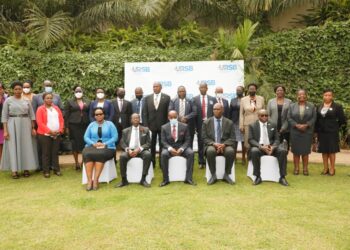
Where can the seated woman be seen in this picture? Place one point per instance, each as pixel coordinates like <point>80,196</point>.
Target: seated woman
<point>100,138</point>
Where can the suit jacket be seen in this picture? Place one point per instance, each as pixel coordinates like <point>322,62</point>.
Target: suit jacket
<point>208,132</point>
<point>273,112</point>
<point>122,117</point>
<point>226,107</point>
<point>254,134</point>
<point>38,101</point>
<point>155,118</point>
<point>294,118</point>
<point>134,103</point>
<point>107,108</point>
<point>197,104</point>
<point>190,112</point>
<point>73,113</point>
<point>183,138</point>
<point>234,110</point>
<point>144,136</point>
<point>246,114</point>
<point>333,120</point>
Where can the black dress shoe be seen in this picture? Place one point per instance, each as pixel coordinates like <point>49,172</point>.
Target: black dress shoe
<point>283,181</point>
<point>190,182</point>
<point>47,174</point>
<point>212,180</point>
<point>257,181</point>
<point>201,166</point>
<point>164,183</point>
<point>227,179</point>
<point>58,173</point>
<point>121,184</point>
<point>145,184</point>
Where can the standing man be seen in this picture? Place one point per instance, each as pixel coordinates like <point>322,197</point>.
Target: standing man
<point>264,140</point>
<point>122,112</point>
<point>155,111</point>
<point>219,94</point>
<point>137,103</point>
<point>186,111</point>
<point>219,139</point>
<point>135,142</point>
<point>176,142</point>
<point>204,105</point>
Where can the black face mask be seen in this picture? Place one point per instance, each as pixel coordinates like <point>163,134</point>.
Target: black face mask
<point>239,94</point>
<point>252,93</point>
<point>121,96</point>
<point>139,97</point>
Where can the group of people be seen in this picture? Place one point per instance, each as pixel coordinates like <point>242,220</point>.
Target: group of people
<point>32,125</point>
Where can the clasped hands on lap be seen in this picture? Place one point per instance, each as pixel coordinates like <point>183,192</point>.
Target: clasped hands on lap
<point>267,149</point>
<point>219,147</point>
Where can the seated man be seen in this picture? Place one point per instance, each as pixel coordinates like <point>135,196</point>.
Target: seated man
<point>264,140</point>
<point>219,139</point>
<point>176,141</point>
<point>135,142</point>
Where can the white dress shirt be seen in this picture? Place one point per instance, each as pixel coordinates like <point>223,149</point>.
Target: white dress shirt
<point>157,97</point>
<point>263,129</point>
<point>135,131</point>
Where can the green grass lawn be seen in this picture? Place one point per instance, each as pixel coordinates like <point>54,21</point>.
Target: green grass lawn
<point>57,213</point>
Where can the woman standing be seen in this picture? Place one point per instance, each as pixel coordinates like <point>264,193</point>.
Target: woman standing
<point>101,102</point>
<point>100,138</point>
<point>19,152</point>
<point>50,126</point>
<point>301,118</point>
<point>3,97</point>
<point>76,122</point>
<point>277,109</point>
<point>330,119</point>
<point>27,90</point>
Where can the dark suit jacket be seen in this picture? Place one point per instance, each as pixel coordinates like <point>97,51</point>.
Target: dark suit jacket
<point>254,134</point>
<point>190,112</point>
<point>134,107</point>
<point>183,138</point>
<point>332,121</point>
<point>294,118</point>
<point>155,118</point>
<point>123,114</point>
<point>197,104</point>
<point>226,107</point>
<point>38,101</point>
<point>208,132</point>
<point>145,139</point>
<point>73,113</point>
<point>234,110</point>
<point>107,107</point>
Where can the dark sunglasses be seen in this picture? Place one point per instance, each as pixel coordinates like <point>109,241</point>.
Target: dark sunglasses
<point>99,114</point>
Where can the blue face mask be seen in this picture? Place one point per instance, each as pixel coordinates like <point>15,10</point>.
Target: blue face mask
<point>48,89</point>
<point>173,122</point>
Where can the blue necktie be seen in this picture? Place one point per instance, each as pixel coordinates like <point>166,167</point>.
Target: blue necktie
<point>138,107</point>
<point>218,131</point>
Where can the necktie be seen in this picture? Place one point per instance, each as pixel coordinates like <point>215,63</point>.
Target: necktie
<point>136,142</point>
<point>182,108</point>
<point>204,115</point>
<point>156,102</point>
<point>120,104</point>
<point>265,136</point>
<point>218,131</point>
<point>138,107</point>
<point>173,133</point>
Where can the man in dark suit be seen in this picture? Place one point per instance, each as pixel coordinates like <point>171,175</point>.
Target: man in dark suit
<point>264,140</point>
<point>176,142</point>
<point>219,94</point>
<point>186,111</point>
<point>135,142</point>
<point>204,104</point>
<point>155,111</point>
<point>137,103</point>
<point>219,139</point>
<point>122,112</point>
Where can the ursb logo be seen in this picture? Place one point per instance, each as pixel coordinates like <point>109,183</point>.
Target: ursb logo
<point>208,82</point>
<point>141,69</point>
<point>166,83</point>
<point>228,67</point>
<point>184,68</point>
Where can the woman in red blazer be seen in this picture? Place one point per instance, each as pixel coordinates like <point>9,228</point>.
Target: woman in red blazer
<point>50,126</point>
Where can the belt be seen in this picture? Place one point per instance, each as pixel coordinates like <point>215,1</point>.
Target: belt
<point>24,115</point>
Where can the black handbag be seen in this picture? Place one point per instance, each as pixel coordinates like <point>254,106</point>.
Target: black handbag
<point>65,144</point>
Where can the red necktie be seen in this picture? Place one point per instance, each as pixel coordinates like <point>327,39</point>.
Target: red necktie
<point>203,108</point>
<point>173,133</point>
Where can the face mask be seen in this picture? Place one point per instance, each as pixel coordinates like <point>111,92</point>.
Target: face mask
<point>26,90</point>
<point>100,95</point>
<point>219,95</point>
<point>78,95</point>
<point>252,93</point>
<point>121,96</point>
<point>173,122</point>
<point>139,97</point>
<point>239,94</point>
<point>48,89</point>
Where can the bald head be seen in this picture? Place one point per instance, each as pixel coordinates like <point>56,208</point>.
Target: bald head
<point>157,87</point>
<point>135,119</point>
<point>219,90</point>
<point>218,110</point>
<point>263,115</point>
<point>172,114</point>
<point>203,88</point>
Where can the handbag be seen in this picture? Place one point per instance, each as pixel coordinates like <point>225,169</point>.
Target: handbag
<point>65,144</point>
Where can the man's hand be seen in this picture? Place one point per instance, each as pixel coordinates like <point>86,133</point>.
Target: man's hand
<point>183,120</point>
<point>173,152</point>
<point>242,130</point>
<point>6,135</point>
<point>133,153</point>
<point>179,151</point>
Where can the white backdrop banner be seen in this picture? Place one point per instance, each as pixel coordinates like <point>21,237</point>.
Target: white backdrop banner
<point>226,74</point>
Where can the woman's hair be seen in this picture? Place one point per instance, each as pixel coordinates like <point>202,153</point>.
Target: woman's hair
<point>30,82</point>
<point>252,84</point>
<point>99,88</point>
<point>46,94</point>
<point>99,108</point>
<point>279,86</point>
<point>327,90</point>
<point>304,90</point>
<point>16,83</point>
<point>77,86</point>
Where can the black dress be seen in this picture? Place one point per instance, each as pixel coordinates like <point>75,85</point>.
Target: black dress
<point>328,124</point>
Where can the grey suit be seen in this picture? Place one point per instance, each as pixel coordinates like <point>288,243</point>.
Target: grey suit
<point>227,138</point>
<point>301,141</point>
<point>272,110</point>
<point>256,152</point>
<point>145,154</point>
<point>183,142</point>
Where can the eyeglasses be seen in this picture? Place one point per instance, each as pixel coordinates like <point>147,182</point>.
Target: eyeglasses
<point>264,115</point>
<point>99,114</point>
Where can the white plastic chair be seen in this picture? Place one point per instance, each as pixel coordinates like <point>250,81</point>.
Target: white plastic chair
<point>108,174</point>
<point>220,169</point>
<point>134,171</point>
<point>269,169</point>
<point>177,168</point>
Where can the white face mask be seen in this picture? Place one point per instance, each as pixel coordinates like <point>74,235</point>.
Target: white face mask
<point>219,95</point>
<point>78,95</point>
<point>48,89</point>
<point>100,95</point>
<point>173,122</point>
<point>26,90</point>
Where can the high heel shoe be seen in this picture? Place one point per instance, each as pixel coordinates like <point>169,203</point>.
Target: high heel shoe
<point>89,187</point>
<point>15,175</point>
<point>95,186</point>
<point>296,171</point>
<point>305,172</point>
<point>325,172</point>
<point>331,174</point>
